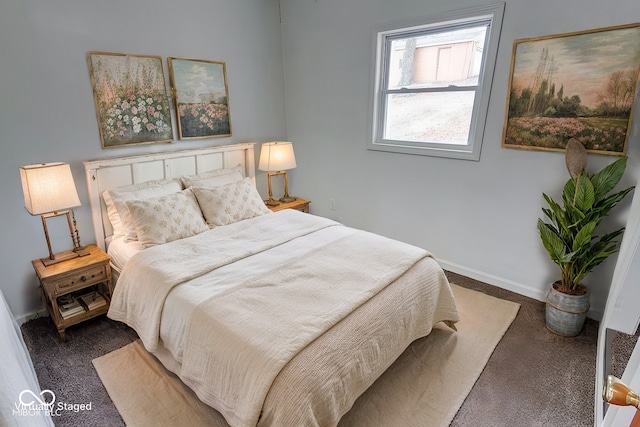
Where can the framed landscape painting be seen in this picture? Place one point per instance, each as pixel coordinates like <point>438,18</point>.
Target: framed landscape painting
<point>579,85</point>
<point>131,99</point>
<point>201,98</point>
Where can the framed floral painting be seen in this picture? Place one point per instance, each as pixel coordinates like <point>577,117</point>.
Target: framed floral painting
<point>201,98</point>
<point>131,99</point>
<point>578,85</point>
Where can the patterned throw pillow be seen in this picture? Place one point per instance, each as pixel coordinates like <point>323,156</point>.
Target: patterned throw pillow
<point>230,203</point>
<point>116,200</point>
<point>167,218</point>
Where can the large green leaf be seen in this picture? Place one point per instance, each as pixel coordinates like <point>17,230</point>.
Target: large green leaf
<point>584,236</point>
<point>610,236</point>
<point>552,242</point>
<point>579,194</point>
<point>593,259</point>
<point>606,180</point>
<point>557,215</point>
<point>603,206</point>
<point>601,209</point>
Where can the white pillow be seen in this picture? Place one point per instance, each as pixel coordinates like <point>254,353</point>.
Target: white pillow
<point>145,190</point>
<point>213,178</point>
<point>112,213</point>
<point>230,203</point>
<point>165,219</point>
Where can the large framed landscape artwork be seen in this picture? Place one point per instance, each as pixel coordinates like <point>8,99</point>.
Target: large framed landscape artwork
<point>201,98</point>
<point>131,99</point>
<point>579,85</point>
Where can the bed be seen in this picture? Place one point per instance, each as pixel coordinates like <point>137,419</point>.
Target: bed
<point>278,318</point>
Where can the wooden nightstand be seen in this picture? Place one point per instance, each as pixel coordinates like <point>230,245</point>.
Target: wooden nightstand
<point>72,279</point>
<point>298,204</point>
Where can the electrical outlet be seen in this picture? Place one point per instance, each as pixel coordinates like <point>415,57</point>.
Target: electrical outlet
<point>333,204</point>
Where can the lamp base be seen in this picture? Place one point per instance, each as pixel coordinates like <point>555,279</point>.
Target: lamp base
<point>81,251</point>
<point>271,202</point>
<point>66,255</point>
<point>59,257</point>
<point>288,199</point>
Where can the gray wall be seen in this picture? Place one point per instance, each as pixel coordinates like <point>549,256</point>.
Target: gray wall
<point>46,102</point>
<point>477,218</point>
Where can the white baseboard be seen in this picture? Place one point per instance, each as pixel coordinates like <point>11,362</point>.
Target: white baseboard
<point>500,282</point>
<point>494,280</point>
<point>32,315</point>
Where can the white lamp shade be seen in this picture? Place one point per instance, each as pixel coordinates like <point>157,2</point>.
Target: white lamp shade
<point>277,156</point>
<point>48,187</point>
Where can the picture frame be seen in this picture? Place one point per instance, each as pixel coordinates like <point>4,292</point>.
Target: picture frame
<point>131,99</point>
<point>201,98</point>
<point>580,85</point>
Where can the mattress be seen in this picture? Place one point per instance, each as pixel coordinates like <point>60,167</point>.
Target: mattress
<point>121,251</point>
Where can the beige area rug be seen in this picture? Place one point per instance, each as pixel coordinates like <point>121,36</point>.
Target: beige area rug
<point>425,386</point>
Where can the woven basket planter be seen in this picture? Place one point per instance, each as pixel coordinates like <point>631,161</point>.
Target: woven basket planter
<point>566,313</point>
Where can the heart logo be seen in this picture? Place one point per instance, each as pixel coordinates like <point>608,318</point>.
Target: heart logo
<point>31,398</point>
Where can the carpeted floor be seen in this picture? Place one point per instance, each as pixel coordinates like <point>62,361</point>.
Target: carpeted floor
<point>533,378</point>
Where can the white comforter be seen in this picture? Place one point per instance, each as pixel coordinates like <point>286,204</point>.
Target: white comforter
<point>253,295</point>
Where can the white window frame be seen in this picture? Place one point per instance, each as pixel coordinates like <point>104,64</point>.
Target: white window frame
<point>471,151</point>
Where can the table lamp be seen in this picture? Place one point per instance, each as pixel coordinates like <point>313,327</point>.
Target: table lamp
<point>275,159</point>
<point>49,191</point>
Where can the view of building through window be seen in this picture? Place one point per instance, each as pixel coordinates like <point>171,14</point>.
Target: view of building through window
<point>432,81</point>
<point>437,73</point>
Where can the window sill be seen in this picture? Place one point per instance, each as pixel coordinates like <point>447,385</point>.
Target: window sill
<point>458,152</point>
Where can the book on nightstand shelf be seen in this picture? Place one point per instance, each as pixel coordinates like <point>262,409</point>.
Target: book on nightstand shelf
<point>93,300</point>
<point>71,309</point>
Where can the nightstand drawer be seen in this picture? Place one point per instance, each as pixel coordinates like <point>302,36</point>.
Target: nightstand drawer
<point>80,280</point>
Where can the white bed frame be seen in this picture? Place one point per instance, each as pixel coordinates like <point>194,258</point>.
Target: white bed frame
<point>105,174</point>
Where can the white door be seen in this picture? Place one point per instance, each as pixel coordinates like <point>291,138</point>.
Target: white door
<point>622,313</point>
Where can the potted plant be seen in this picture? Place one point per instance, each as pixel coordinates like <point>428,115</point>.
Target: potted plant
<point>569,236</point>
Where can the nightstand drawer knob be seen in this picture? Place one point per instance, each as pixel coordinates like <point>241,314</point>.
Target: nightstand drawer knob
<point>83,278</point>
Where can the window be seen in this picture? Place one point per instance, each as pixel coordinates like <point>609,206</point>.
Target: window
<point>432,81</point>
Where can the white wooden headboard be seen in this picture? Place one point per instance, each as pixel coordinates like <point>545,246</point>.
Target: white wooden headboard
<point>105,174</point>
